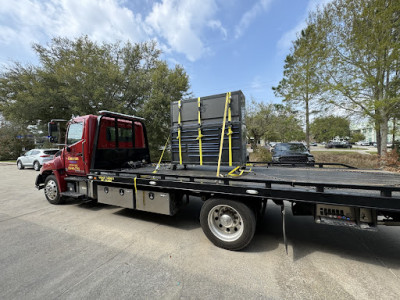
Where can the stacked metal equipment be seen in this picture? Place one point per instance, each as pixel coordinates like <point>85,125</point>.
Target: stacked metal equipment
<point>197,126</point>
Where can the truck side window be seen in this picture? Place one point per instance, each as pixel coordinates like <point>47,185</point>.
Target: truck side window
<point>75,132</point>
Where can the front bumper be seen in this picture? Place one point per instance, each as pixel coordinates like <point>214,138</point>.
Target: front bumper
<point>39,183</point>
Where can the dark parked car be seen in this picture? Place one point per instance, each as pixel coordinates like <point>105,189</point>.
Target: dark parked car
<point>292,153</point>
<point>333,144</point>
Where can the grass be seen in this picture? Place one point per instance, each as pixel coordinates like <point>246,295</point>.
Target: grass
<point>9,161</point>
<point>358,160</point>
<point>372,152</point>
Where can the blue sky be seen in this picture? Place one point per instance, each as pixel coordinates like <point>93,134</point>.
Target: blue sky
<point>224,45</point>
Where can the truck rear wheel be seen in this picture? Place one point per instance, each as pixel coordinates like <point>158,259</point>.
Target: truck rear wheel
<point>228,224</point>
<point>51,190</point>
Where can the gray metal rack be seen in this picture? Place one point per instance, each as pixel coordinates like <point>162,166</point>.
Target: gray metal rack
<point>197,126</point>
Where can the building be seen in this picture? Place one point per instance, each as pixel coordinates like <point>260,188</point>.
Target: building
<point>368,130</point>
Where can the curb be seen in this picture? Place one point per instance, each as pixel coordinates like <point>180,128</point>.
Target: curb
<point>7,163</point>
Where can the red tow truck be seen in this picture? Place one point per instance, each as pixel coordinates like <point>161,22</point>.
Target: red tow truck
<point>106,159</point>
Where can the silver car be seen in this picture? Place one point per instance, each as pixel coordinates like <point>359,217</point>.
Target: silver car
<point>35,158</point>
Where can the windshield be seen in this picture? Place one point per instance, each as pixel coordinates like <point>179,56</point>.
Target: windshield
<point>291,147</point>
<point>51,152</point>
<point>75,132</point>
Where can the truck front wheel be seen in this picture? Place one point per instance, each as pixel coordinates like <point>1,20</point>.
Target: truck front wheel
<point>51,190</point>
<point>228,224</point>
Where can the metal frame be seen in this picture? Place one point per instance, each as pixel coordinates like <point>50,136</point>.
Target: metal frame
<point>312,164</point>
<point>117,116</point>
<point>257,189</point>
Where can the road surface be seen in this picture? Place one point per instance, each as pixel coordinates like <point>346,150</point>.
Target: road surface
<point>90,251</point>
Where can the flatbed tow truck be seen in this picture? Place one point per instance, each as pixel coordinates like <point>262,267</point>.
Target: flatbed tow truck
<point>106,159</point>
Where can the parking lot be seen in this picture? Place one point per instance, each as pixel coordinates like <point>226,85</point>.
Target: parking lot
<point>85,250</point>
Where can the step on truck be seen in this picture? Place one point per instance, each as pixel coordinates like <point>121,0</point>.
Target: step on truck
<point>106,159</point>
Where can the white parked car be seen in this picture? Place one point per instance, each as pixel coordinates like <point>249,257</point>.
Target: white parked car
<point>35,158</point>
<point>362,143</point>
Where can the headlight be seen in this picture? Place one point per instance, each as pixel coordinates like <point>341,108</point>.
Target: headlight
<point>311,158</point>
<point>275,159</point>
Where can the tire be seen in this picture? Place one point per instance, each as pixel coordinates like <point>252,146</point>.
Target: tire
<point>20,166</point>
<point>52,191</point>
<point>36,166</point>
<point>228,224</point>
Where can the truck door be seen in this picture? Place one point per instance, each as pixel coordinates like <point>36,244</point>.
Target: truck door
<point>74,154</point>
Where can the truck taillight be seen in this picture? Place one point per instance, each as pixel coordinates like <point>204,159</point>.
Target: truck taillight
<point>44,155</point>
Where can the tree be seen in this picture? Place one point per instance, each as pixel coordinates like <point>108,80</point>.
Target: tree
<point>286,125</point>
<point>326,128</point>
<point>166,86</point>
<point>272,122</point>
<point>79,77</point>
<point>258,116</point>
<point>361,70</point>
<point>301,84</point>
<point>13,139</point>
<point>356,137</point>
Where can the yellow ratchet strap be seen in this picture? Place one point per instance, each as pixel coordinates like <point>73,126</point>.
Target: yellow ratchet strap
<point>162,154</point>
<point>199,130</point>
<point>134,183</point>
<point>221,144</point>
<point>230,129</point>
<point>233,174</point>
<point>179,131</point>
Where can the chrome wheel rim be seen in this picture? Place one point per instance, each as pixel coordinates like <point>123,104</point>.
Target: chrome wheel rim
<point>19,165</point>
<point>225,223</point>
<point>51,190</point>
<point>36,166</point>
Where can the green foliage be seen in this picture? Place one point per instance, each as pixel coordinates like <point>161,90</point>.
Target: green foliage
<point>167,86</point>
<point>326,128</point>
<point>348,56</point>
<point>356,137</point>
<point>361,69</point>
<point>272,122</point>
<point>300,85</point>
<point>79,77</point>
<point>10,145</point>
<point>286,125</point>
<point>262,154</point>
<point>258,120</point>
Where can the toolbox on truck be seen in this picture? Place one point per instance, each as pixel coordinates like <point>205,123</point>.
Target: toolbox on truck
<point>197,126</point>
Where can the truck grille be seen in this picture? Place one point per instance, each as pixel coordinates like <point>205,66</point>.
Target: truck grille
<point>293,159</point>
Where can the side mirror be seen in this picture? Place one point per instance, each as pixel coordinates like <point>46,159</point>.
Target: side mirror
<point>53,132</point>
<point>68,149</point>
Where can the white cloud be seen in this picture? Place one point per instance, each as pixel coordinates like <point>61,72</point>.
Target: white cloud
<point>250,15</point>
<point>285,42</point>
<point>216,24</point>
<point>180,23</point>
<point>31,21</point>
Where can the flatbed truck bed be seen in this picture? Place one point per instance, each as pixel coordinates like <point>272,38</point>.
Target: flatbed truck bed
<point>372,183</point>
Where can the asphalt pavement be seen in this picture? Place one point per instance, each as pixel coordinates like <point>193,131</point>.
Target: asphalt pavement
<point>93,251</point>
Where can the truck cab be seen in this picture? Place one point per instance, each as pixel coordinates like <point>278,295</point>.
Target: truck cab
<point>109,141</point>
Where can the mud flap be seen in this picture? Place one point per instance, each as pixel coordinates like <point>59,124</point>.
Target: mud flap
<point>283,212</point>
